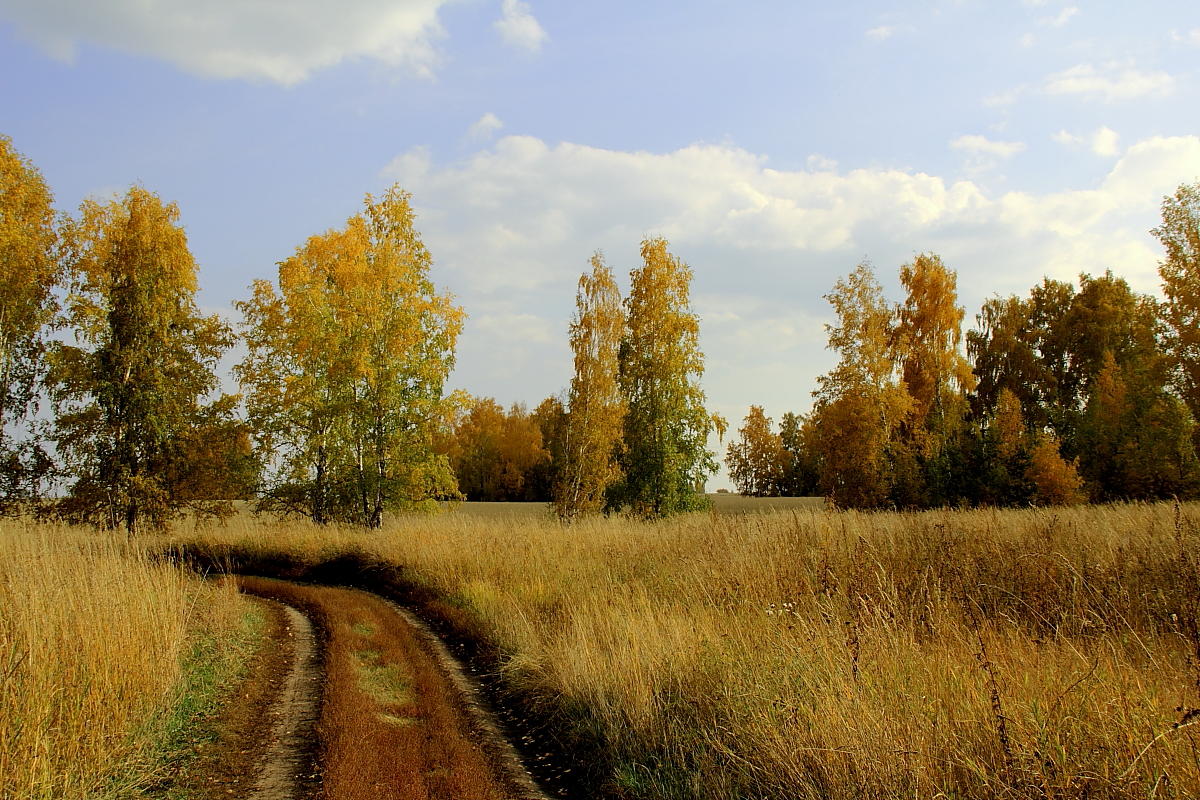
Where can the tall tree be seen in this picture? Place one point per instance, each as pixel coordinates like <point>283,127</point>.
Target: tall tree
<point>860,404</point>
<point>927,341</point>
<point>756,458</point>
<point>1180,272</point>
<point>29,271</point>
<point>345,370</point>
<point>134,382</point>
<point>666,427</point>
<point>596,407</point>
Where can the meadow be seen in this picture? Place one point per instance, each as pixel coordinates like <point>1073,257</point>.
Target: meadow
<point>804,653</point>
<point>109,661</point>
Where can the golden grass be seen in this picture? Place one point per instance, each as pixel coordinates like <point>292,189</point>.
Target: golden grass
<point>811,654</point>
<point>93,634</point>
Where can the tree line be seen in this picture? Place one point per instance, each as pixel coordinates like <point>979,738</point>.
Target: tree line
<point>111,414</point>
<point>111,411</point>
<point>1073,392</point>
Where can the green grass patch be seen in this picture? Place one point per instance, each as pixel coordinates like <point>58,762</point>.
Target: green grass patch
<point>169,742</point>
<point>387,684</point>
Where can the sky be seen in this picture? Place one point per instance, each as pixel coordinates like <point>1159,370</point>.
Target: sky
<point>776,145</point>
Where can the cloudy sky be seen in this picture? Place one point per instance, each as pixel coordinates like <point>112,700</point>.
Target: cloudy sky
<point>775,144</point>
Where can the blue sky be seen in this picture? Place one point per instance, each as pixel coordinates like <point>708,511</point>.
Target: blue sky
<point>775,144</point>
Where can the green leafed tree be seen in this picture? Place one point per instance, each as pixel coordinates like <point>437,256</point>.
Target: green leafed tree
<point>591,441</point>
<point>344,375</point>
<point>665,455</point>
<point>29,271</point>
<point>133,384</point>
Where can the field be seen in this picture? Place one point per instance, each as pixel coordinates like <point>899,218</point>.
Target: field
<point>806,654</point>
<point>109,659</point>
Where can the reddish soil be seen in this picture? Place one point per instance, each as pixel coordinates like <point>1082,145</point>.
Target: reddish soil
<point>398,720</point>
<point>232,764</point>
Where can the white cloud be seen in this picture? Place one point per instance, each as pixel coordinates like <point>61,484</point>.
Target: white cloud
<point>981,145</point>
<point>1027,40</point>
<point>1191,37</point>
<point>511,228</point>
<point>1105,141</point>
<point>278,42</point>
<point>1113,82</point>
<point>881,32</point>
<point>819,163</point>
<point>519,28</point>
<point>484,127</point>
<point>1004,98</point>
<point>1061,18</point>
<point>1067,138</point>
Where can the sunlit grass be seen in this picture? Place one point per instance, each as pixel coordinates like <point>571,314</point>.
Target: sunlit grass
<point>94,638</point>
<point>1020,653</point>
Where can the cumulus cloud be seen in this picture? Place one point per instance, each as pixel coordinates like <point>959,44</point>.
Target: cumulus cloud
<point>1104,141</point>
<point>1110,83</point>
<point>1059,19</point>
<point>881,32</point>
<point>277,42</point>
<point>982,145</point>
<point>519,28</point>
<point>511,228</point>
<point>1191,37</point>
<point>1067,138</point>
<point>485,127</point>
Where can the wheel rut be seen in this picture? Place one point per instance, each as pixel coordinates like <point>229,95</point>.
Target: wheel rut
<point>376,708</point>
<point>286,762</point>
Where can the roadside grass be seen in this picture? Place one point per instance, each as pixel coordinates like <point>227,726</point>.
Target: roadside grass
<point>810,654</point>
<point>108,659</point>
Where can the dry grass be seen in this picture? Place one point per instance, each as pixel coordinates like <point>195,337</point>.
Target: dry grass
<point>982,654</point>
<point>93,639</point>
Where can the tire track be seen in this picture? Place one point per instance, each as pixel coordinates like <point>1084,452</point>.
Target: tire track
<point>383,702</point>
<point>296,710</point>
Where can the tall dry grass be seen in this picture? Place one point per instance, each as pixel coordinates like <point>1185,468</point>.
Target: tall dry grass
<point>979,654</point>
<point>93,637</point>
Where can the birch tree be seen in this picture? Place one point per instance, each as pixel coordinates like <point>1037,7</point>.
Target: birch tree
<point>665,456</point>
<point>596,406</point>
<point>29,271</point>
<point>135,379</point>
<point>346,364</point>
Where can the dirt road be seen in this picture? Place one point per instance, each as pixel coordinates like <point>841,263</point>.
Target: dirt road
<point>354,699</point>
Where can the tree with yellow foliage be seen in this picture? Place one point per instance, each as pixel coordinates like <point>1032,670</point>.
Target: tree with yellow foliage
<point>1056,481</point>
<point>860,404</point>
<point>665,455</point>
<point>345,370</point>
<point>134,381</point>
<point>595,406</point>
<point>29,271</point>
<point>756,458</point>
<point>495,453</point>
<point>1180,272</point>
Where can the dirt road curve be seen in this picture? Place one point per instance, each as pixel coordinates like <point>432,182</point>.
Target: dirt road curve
<point>372,707</point>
